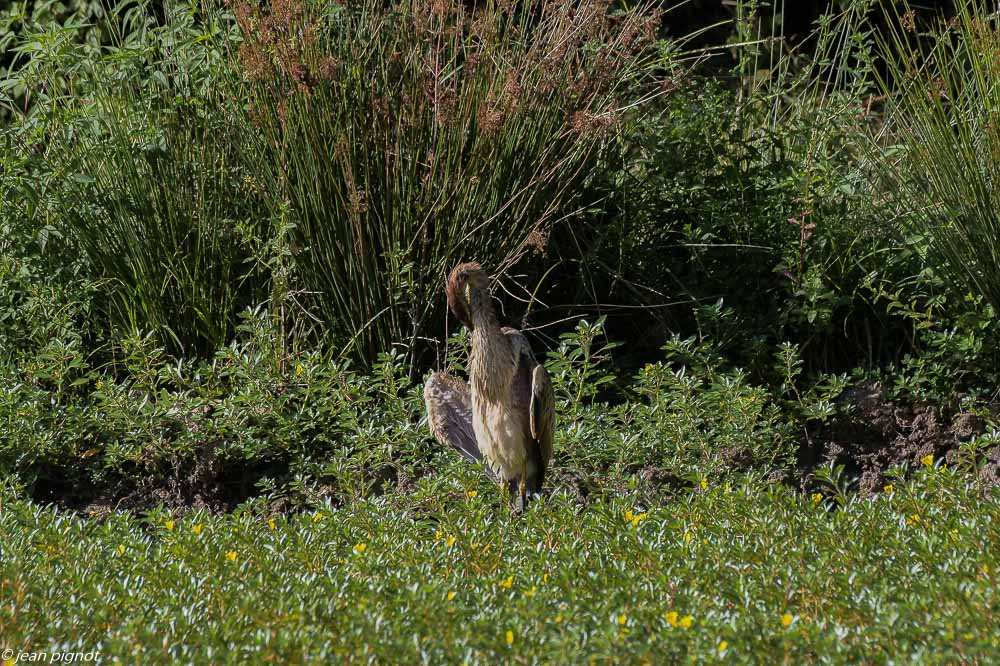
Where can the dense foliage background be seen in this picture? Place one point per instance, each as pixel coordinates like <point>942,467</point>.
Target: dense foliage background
<point>754,244</point>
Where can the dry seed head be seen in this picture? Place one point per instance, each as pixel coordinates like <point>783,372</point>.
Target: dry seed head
<point>537,240</point>
<point>308,37</point>
<point>909,21</point>
<point>490,119</point>
<point>483,29</point>
<point>328,68</point>
<point>512,89</point>
<point>256,64</point>
<point>288,12</point>
<point>586,124</point>
<point>446,99</point>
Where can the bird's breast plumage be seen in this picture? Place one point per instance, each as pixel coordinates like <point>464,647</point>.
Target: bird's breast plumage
<point>502,437</point>
<point>500,422</point>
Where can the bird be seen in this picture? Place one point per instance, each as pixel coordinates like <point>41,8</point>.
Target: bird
<point>505,416</point>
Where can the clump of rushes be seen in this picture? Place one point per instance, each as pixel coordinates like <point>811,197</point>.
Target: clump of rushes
<point>943,121</point>
<point>153,192</point>
<point>407,136</point>
<point>162,226</point>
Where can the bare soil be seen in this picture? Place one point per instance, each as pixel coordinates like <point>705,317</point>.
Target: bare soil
<point>877,433</point>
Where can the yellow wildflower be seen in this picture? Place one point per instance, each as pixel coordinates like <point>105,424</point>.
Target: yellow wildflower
<point>509,637</point>
<point>451,595</point>
<point>120,549</point>
<point>723,645</point>
<point>169,525</point>
<point>299,370</point>
<point>628,515</point>
<point>887,488</point>
<point>704,483</point>
<point>558,619</point>
<point>638,518</point>
<point>687,537</point>
<point>472,494</point>
<point>451,541</point>
<point>360,548</point>
<point>231,556</point>
<point>270,523</point>
<point>954,535</point>
<point>196,528</point>
<point>622,620</point>
<point>928,460</point>
<point>530,593</point>
<point>507,582</point>
<point>318,516</point>
<point>671,618</point>
<point>786,620</point>
<point>545,578</point>
<point>686,622</point>
<point>913,519</point>
<point>817,498</point>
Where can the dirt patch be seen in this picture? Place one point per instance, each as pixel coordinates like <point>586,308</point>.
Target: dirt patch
<point>202,481</point>
<point>875,433</point>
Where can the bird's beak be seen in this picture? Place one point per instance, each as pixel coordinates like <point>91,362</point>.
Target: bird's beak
<point>459,304</point>
<point>463,313</point>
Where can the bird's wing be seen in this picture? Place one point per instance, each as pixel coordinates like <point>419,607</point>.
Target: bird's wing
<point>449,412</point>
<point>524,363</point>
<point>533,392</point>
<point>543,411</point>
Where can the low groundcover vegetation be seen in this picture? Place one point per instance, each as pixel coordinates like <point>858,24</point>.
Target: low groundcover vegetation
<point>731,571</point>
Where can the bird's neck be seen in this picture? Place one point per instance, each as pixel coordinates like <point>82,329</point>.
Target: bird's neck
<point>491,362</point>
<point>484,318</point>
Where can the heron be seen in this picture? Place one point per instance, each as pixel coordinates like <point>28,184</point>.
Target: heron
<point>505,416</point>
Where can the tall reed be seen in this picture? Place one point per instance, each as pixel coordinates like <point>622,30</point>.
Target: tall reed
<point>408,136</point>
<point>942,165</point>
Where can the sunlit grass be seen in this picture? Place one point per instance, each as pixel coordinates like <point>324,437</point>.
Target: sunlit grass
<point>740,571</point>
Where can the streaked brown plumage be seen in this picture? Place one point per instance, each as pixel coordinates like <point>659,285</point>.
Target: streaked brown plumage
<point>506,416</point>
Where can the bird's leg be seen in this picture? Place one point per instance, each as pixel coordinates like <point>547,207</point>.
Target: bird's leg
<point>516,498</point>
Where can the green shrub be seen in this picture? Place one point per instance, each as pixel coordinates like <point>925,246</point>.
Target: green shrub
<point>129,152</point>
<point>743,210</point>
<point>729,227</point>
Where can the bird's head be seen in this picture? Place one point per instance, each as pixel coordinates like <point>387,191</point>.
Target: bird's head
<point>465,280</point>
